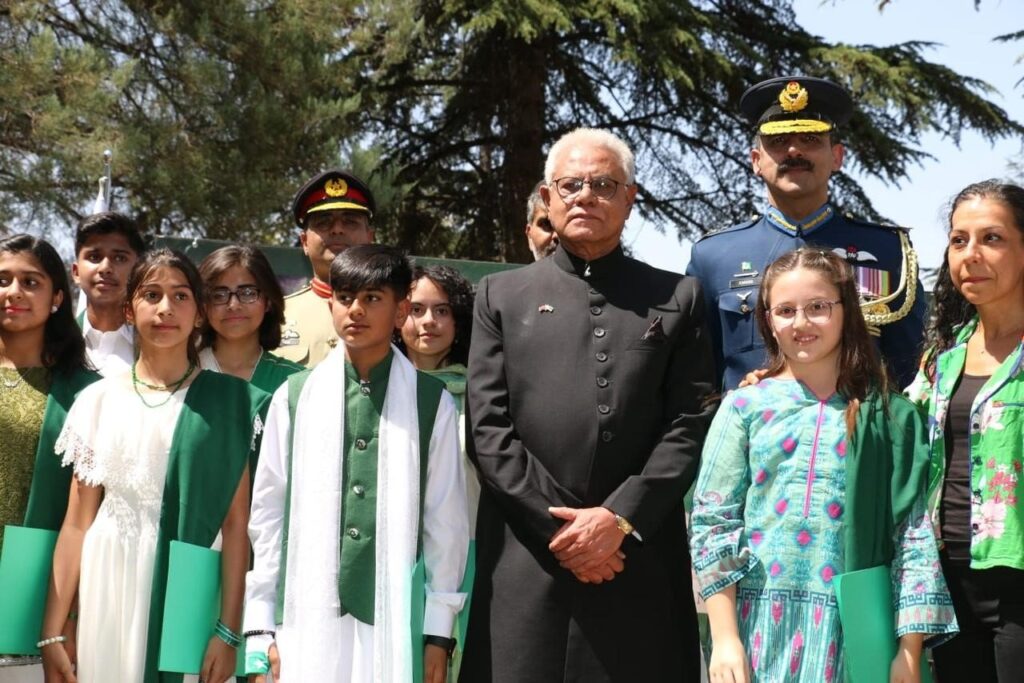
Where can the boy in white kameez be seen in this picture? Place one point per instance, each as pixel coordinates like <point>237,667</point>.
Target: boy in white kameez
<point>359,476</point>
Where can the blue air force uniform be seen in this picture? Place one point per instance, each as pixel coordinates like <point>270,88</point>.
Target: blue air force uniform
<point>730,264</point>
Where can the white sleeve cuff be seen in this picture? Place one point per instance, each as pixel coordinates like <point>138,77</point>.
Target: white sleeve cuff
<point>440,613</point>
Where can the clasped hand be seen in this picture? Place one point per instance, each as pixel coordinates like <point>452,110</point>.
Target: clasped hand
<point>588,543</point>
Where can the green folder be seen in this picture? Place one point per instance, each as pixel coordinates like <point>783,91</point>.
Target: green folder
<point>417,613</point>
<point>191,609</point>
<point>24,581</point>
<point>869,625</point>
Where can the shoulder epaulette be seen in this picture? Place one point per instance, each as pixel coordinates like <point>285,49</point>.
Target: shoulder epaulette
<point>732,228</point>
<point>882,226</point>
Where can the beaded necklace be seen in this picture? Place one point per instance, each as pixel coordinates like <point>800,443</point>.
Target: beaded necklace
<point>173,387</point>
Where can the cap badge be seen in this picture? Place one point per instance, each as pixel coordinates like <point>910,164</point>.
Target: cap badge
<point>793,97</point>
<point>336,187</point>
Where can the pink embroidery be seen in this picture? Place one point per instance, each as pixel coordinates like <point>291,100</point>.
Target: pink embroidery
<point>745,610</point>
<point>775,569</point>
<point>789,445</point>
<point>761,476</point>
<point>841,449</point>
<point>798,646</point>
<point>834,510</point>
<point>817,615</point>
<point>804,537</point>
<point>830,663</point>
<point>755,656</point>
<point>781,505</point>
<point>828,573</point>
<point>776,612</point>
<point>767,415</point>
<point>756,537</point>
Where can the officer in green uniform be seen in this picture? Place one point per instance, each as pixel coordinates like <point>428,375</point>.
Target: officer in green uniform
<point>333,210</point>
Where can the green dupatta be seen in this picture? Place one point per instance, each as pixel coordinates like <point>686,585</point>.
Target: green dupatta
<point>48,494</point>
<point>887,466</point>
<point>212,441</point>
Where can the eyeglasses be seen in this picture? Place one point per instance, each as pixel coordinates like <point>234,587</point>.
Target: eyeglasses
<point>221,296</point>
<point>602,187</point>
<point>818,312</point>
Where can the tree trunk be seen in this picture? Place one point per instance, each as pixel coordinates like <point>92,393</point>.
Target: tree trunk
<point>522,114</point>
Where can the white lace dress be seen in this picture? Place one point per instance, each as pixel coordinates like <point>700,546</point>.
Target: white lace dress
<point>116,442</point>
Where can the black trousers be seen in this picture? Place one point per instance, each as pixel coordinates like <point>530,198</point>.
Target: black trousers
<point>989,607</point>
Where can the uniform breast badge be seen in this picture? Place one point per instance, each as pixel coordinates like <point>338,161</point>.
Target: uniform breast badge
<point>289,336</point>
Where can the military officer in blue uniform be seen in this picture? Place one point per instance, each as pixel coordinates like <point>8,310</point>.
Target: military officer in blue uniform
<point>795,153</point>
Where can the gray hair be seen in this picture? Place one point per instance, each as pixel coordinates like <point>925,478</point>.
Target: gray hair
<point>534,202</point>
<point>598,137</point>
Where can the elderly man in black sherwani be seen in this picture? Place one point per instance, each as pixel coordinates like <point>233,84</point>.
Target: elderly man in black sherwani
<point>589,375</point>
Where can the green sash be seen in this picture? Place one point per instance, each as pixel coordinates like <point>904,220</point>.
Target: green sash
<point>48,495</point>
<point>209,451</point>
<point>888,454</point>
<point>272,371</point>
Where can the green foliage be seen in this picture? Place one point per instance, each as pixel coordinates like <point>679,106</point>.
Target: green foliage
<point>217,112</point>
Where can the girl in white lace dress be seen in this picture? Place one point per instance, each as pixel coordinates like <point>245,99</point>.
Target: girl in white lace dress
<point>124,438</point>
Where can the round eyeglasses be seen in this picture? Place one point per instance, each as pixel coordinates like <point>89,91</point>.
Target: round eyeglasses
<point>818,312</point>
<point>601,187</point>
<point>246,294</point>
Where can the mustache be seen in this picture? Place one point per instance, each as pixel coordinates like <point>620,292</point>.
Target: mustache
<point>797,162</point>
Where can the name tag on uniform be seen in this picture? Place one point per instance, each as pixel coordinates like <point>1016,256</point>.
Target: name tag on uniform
<point>751,280</point>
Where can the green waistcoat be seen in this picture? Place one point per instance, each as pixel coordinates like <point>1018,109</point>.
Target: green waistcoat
<point>364,403</point>
<point>358,562</point>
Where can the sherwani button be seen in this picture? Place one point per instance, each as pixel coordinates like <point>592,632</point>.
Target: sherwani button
<point>602,382</point>
<point>360,444</point>
<point>599,332</point>
<point>353,533</point>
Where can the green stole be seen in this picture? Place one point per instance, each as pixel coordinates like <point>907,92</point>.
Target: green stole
<point>428,399</point>
<point>271,372</point>
<point>48,494</point>
<point>886,466</point>
<point>209,451</point>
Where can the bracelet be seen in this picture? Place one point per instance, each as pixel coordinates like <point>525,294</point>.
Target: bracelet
<point>260,632</point>
<point>226,634</point>
<point>51,641</point>
<point>256,663</point>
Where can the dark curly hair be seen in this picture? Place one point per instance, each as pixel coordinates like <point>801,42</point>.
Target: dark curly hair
<point>950,310</point>
<point>460,297</point>
<point>63,344</point>
<point>860,367</point>
<point>254,261</point>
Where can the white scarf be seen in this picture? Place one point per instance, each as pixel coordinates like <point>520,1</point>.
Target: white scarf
<point>311,602</point>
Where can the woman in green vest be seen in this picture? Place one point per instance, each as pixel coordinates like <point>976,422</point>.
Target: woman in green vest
<point>42,368</point>
<point>435,337</point>
<point>159,454</point>
<point>972,385</point>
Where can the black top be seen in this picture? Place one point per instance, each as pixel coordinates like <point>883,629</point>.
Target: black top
<point>955,511</point>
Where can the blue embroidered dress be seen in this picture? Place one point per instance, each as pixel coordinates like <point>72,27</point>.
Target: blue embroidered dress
<point>768,516</point>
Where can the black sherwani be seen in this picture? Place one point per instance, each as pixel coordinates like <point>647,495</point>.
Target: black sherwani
<point>587,387</point>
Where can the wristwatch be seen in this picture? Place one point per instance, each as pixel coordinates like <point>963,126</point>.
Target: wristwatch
<point>448,644</point>
<point>624,526</point>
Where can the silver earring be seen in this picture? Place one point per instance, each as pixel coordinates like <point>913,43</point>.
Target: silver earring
<point>53,309</point>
